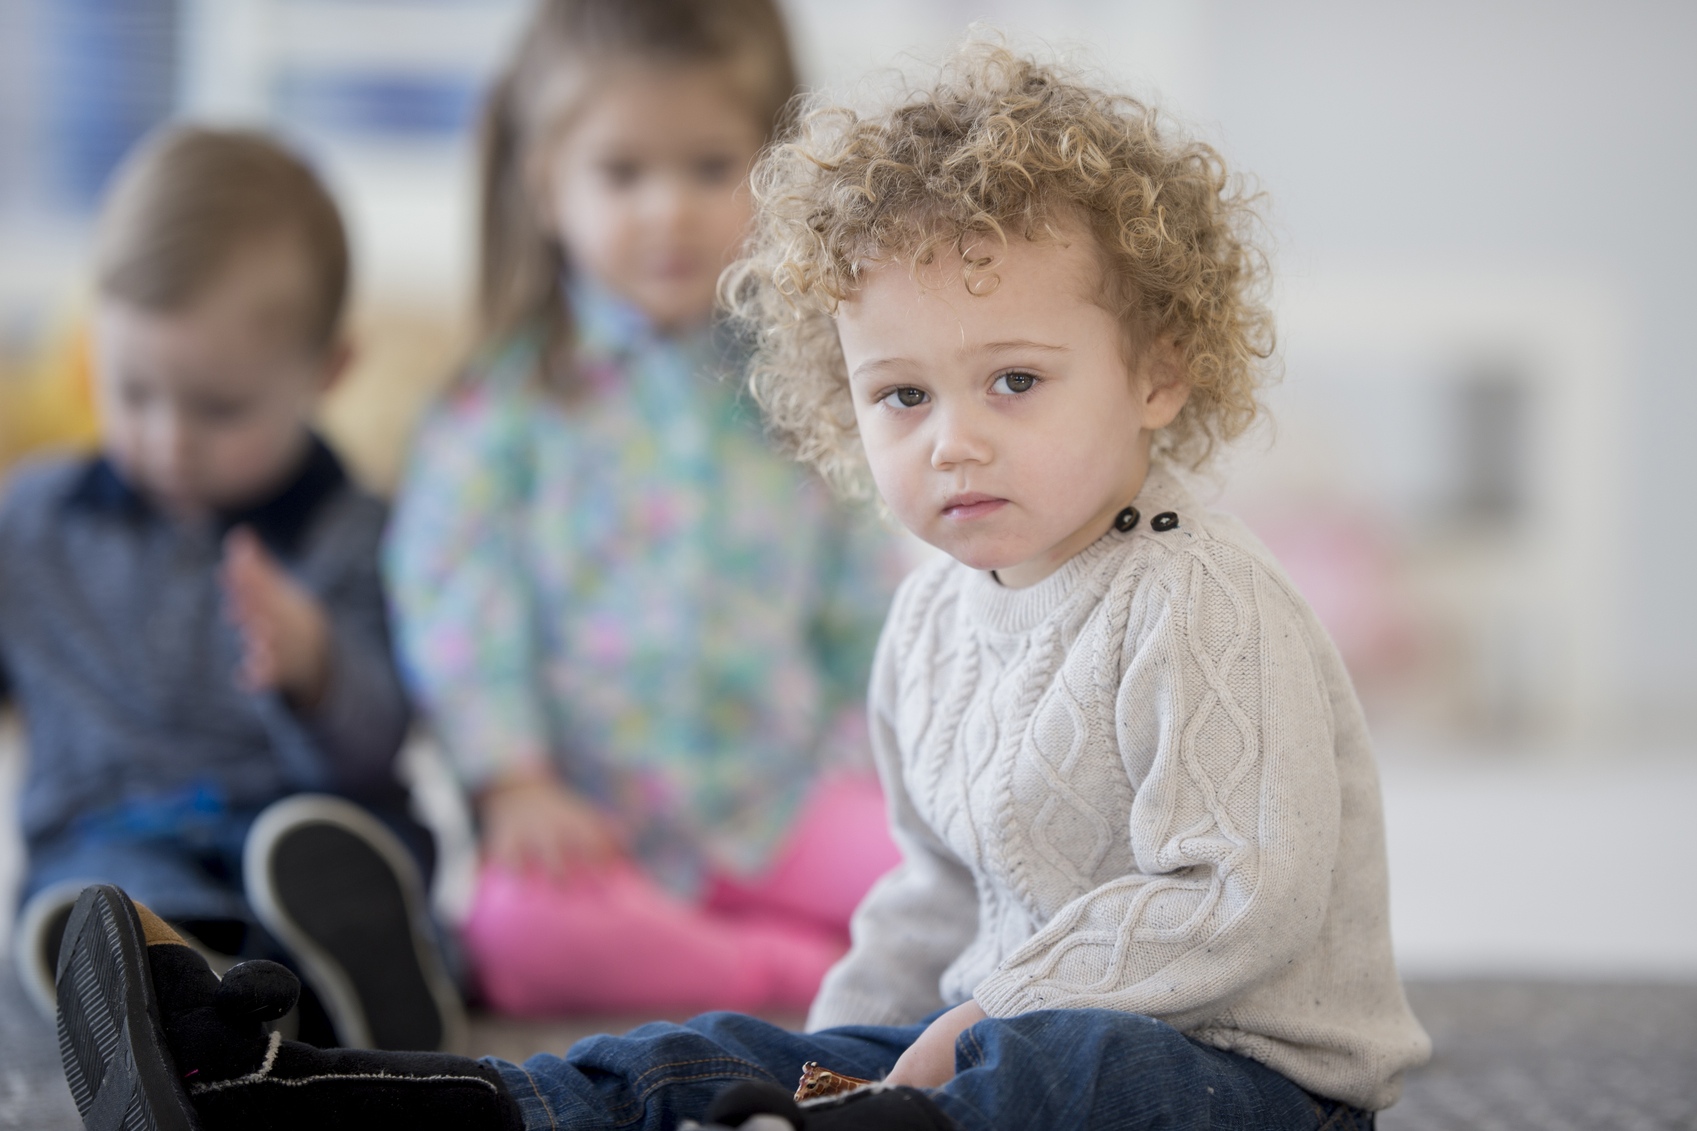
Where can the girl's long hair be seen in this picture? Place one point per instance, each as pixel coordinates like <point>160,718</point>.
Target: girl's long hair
<point>567,45</point>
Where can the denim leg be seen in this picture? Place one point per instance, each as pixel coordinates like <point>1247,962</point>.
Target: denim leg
<point>660,1074</point>
<point>171,878</point>
<point>1059,1068</point>
<point>1109,1071</point>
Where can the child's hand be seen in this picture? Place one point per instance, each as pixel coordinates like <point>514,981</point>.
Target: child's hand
<point>930,1061</point>
<point>532,821</point>
<point>285,633</point>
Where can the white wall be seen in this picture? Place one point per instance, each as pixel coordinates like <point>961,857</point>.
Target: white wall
<point>1550,142</point>
<point>1553,138</point>
<point>1515,140</point>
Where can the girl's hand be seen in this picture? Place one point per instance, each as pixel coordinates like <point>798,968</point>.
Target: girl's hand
<point>533,821</point>
<point>285,634</point>
<point>930,1061</point>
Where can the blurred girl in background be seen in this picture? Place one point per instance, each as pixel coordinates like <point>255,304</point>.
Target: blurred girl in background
<point>638,631</point>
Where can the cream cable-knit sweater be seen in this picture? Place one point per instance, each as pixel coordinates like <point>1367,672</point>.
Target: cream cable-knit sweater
<point>1143,784</point>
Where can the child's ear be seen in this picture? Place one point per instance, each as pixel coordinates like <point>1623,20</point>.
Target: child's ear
<point>1162,382</point>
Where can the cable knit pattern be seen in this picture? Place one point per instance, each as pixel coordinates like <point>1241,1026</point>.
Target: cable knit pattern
<point>1141,784</point>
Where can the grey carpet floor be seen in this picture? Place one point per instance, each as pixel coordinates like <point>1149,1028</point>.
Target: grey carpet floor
<point>1511,1056</point>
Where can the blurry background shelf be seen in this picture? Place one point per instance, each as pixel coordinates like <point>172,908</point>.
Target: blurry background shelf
<point>1481,471</point>
<point>1483,248</point>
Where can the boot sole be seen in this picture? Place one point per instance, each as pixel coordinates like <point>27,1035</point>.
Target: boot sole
<point>342,894</point>
<point>110,1038</point>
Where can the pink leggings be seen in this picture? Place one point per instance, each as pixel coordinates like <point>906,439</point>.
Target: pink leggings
<point>617,942</point>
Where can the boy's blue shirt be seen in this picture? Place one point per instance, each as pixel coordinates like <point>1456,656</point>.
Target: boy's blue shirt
<point>115,646</point>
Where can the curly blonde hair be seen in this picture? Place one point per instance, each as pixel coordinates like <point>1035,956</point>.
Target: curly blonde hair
<point>1001,145</point>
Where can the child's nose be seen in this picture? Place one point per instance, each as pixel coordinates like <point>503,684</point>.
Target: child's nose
<point>668,203</point>
<point>172,439</point>
<point>960,438</point>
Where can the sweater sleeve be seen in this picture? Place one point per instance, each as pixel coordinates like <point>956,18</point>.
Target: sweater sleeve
<point>465,625</point>
<point>1225,729</point>
<point>917,918</point>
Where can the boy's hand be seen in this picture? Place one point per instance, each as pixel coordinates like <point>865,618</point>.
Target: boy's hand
<point>532,821</point>
<point>285,633</point>
<point>930,1061</point>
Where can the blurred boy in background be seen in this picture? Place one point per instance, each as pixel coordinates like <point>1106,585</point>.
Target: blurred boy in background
<point>192,621</point>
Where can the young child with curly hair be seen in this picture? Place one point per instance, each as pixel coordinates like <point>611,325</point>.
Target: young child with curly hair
<point>1143,878</point>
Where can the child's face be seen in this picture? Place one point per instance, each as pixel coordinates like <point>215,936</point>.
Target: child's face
<point>646,190</point>
<point>1003,427</point>
<point>207,408</point>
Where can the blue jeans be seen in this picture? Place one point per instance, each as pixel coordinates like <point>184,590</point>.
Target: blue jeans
<point>180,854</point>
<point>1054,1070</point>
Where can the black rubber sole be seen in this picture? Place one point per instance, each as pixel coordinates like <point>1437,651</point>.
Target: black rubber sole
<point>342,897</point>
<point>116,1063</point>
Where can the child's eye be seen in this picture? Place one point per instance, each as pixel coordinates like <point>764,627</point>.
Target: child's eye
<point>1014,383</point>
<point>714,170</point>
<point>621,174</point>
<point>219,411</point>
<point>906,396</point>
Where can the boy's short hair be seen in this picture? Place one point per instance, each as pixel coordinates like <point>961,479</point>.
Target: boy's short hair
<point>190,199</point>
<point>1001,146</point>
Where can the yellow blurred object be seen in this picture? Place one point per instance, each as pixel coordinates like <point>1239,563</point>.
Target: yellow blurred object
<point>48,402</point>
<point>403,356</point>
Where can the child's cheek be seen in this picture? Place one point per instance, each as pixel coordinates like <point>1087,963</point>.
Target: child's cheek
<point>902,500</point>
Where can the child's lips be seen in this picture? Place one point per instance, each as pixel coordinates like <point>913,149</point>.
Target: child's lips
<point>971,505</point>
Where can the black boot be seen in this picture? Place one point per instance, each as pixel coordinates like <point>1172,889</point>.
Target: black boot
<point>873,1108</point>
<point>151,1039</point>
<point>343,896</point>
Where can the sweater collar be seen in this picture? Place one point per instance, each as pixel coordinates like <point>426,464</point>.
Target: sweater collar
<point>1001,609</point>
<point>280,519</point>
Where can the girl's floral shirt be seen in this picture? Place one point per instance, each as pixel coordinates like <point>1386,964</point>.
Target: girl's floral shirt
<point>634,589</point>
